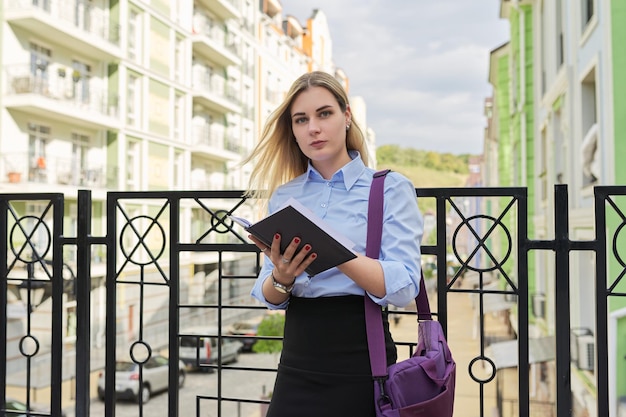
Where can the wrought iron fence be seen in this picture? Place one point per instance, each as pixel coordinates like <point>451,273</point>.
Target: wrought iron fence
<point>175,260</point>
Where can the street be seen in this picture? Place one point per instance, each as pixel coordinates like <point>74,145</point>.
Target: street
<point>249,385</point>
<point>235,383</point>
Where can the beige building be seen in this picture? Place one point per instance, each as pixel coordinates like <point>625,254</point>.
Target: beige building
<point>143,96</point>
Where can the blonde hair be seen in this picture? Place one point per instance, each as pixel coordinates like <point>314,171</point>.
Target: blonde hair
<point>277,157</point>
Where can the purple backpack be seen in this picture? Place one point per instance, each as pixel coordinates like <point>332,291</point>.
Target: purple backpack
<point>423,385</point>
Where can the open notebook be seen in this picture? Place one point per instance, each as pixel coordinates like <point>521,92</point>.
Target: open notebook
<point>294,219</point>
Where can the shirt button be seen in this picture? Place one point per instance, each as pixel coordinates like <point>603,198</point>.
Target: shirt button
<point>328,184</point>
<point>323,205</point>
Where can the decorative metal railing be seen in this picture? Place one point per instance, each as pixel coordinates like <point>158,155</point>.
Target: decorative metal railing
<point>174,261</point>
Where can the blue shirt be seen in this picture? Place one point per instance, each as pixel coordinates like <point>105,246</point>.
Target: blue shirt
<point>342,202</point>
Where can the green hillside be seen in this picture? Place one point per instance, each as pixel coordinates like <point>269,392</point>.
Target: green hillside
<point>423,177</point>
<point>426,169</point>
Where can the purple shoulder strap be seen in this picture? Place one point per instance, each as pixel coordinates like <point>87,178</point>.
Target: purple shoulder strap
<point>373,316</point>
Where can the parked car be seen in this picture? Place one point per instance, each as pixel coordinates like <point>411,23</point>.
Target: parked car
<point>246,328</point>
<point>198,346</point>
<point>155,378</point>
<point>12,404</point>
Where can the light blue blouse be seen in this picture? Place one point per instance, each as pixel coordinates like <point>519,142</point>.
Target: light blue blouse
<point>342,202</point>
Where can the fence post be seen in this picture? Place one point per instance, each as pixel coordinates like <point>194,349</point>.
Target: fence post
<point>562,302</point>
<point>83,303</point>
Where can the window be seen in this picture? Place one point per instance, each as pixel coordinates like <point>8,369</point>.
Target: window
<point>560,47</point>
<point>560,150</point>
<point>82,17</point>
<point>179,114</point>
<point>133,101</point>
<point>179,164</point>
<point>588,96</point>
<point>179,58</point>
<point>589,144</point>
<point>39,62</point>
<point>203,76</point>
<point>202,127</point>
<point>134,36</point>
<point>42,4</point>
<point>268,86</point>
<point>38,138</point>
<point>588,11</point>
<point>81,78</point>
<point>133,164</point>
<point>178,11</point>
<point>81,173</point>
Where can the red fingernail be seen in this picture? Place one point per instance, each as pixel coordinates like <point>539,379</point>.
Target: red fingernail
<point>313,255</point>
<point>307,247</point>
<point>276,236</point>
<point>296,239</point>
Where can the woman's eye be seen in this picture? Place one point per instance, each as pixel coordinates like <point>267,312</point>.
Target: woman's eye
<point>325,113</point>
<point>300,120</point>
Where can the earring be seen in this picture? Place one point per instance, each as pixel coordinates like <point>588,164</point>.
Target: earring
<point>347,127</point>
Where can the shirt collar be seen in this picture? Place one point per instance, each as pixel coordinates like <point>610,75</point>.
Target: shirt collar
<point>349,173</point>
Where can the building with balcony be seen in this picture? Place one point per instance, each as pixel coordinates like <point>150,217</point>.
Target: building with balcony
<point>558,117</point>
<point>144,96</point>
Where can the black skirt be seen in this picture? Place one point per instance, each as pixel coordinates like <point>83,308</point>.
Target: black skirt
<point>324,368</point>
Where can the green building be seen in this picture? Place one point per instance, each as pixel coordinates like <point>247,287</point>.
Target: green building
<point>558,116</point>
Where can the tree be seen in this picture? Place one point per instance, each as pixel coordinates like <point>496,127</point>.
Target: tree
<point>271,325</point>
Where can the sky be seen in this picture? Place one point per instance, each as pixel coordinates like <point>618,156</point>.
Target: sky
<point>422,66</point>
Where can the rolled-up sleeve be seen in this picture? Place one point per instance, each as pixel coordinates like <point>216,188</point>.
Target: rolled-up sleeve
<point>400,255</point>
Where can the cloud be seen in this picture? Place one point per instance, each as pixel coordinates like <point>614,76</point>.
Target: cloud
<point>420,65</point>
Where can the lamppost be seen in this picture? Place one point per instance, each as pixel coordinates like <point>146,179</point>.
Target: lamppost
<point>34,292</point>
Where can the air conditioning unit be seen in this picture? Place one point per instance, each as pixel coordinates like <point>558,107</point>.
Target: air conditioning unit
<point>539,305</point>
<point>510,297</point>
<point>575,334</point>
<point>586,353</point>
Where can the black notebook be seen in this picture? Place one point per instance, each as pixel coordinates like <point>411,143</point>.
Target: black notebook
<point>296,220</point>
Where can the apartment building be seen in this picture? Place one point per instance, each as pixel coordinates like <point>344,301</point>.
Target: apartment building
<point>143,96</point>
<point>558,112</point>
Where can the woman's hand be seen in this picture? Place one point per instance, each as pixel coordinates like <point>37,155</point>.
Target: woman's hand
<point>290,264</point>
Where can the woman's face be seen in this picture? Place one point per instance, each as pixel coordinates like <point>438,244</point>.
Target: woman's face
<point>319,126</point>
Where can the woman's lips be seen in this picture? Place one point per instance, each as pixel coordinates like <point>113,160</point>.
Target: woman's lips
<point>318,143</point>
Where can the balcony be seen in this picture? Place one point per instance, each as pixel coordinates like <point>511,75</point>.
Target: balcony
<point>212,144</point>
<point>204,181</point>
<point>225,9</point>
<point>75,24</point>
<point>212,93</point>
<point>20,168</point>
<point>62,99</point>
<point>272,8</point>
<point>210,41</point>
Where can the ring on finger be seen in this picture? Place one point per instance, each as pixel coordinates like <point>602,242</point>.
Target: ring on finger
<point>285,260</point>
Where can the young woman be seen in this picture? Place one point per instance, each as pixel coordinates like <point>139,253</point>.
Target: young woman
<point>311,149</point>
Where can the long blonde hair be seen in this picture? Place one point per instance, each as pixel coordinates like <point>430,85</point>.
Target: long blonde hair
<point>277,157</point>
